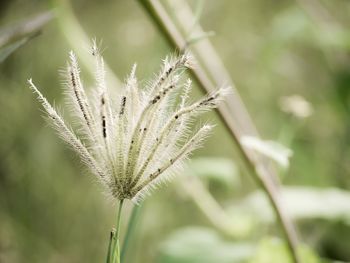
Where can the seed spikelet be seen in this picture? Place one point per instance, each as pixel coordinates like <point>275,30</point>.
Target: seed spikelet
<point>137,140</point>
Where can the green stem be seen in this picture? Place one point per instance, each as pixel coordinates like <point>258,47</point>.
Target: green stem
<point>116,247</point>
<point>110,245</point>
<point>74,33</point>
<point>256,169</point>
<point>129,231</point>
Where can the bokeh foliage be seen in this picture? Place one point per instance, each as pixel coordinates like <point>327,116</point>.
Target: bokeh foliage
<point>51,210</point>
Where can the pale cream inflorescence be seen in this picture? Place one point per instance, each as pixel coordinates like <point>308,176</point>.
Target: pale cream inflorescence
<point>138,138</point>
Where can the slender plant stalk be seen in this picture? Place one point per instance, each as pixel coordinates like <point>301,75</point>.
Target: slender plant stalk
<point>110,245</point>
<point>201,197</point>
<point>210,61</point>
<point>25,28</point>
<point>256,169</point>
<point>130,230</point>
<point>75,35</point>
<point>115,255</point>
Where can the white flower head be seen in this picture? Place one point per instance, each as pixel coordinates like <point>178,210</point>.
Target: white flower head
<point>136,140</point>
<point>297,106</point>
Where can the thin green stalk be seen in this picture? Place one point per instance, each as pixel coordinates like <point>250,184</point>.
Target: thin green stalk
<point>25,28</point>
<point>110,245</point>
<point>255,168</point>
<point>75,35</point>
<point>130,230</point>
<point>116,247</point>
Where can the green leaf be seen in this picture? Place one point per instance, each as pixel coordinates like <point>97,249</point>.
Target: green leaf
<point>15,36</point>
<point>271,149</point>
<point>222,170</point>
<point>303,203</point>
<point>24,28</point>
<point>273,250</point>
<point>8,50</point>
<point>202,245</point>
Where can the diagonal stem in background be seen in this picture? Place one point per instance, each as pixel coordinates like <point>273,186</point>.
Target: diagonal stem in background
<point>264,177</point>
<point>75,36</point>
<point>130,231</point>
<point>207,204</point>
<point>25,28</point>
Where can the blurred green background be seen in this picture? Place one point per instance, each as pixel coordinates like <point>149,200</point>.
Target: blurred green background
<point>51,211</point>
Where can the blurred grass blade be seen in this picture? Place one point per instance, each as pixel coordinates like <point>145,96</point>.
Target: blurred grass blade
<point>303,203</point>
<point>271,149</point>
<point>8,50</point>
<point>75,35</point>
<point>195,39</point>
<point>273,250</point>
<point>196,16</point>
<point>24,28</point>
<point>15,36</point>
<point>194,187</point>
<point>110,245</point>
<point>130,230</point>
<point>202,245</point>
<point>233,114</point>
<point>217,169</point>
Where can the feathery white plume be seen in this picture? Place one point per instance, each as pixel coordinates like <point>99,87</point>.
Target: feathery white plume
<point>135,141</point>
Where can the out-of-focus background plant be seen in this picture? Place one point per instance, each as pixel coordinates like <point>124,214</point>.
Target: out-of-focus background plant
<point>290,64</point>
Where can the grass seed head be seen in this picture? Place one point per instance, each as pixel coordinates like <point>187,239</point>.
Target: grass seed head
<point>136,141</point>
